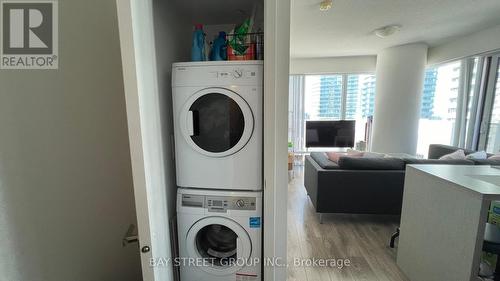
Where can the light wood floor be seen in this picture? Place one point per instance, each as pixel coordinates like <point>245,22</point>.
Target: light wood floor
<point>363,239</point>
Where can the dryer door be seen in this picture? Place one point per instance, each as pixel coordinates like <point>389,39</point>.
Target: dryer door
<point>216,122</point>
<point>223,243</point>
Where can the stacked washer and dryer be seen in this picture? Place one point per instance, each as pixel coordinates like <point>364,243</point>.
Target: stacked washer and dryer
<point>217,109</point>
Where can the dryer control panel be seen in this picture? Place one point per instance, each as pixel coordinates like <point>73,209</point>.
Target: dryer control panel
<point>219,203</point>
<point>227,73</point>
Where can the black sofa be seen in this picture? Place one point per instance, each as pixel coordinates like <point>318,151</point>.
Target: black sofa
<point>366,185</point>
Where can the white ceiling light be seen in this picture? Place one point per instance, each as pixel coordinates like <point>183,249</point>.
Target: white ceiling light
<point>387,31</point>
<point>325,5</point>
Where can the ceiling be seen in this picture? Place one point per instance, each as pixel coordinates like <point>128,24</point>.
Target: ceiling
<point>347,28</point>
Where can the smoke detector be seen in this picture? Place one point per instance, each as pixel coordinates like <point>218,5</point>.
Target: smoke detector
<point>387,31</point>
<point>325,5</point>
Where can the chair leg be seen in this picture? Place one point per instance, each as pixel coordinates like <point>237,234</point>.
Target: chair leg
<point>320,218</point>
<point>393,238</point>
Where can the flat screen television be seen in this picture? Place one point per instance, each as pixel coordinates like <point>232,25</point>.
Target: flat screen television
<point>330,133</point>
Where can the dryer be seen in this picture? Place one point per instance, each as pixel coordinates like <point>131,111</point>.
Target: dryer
<point>219,234</point>
<point>217,108</point>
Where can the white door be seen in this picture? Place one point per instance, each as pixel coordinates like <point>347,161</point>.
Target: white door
<point>205,124</point>
<point>146,136</point>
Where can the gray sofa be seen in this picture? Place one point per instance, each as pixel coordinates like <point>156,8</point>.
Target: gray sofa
<point>366,185</point>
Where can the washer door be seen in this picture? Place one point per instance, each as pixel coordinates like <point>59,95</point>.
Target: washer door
<point>216,122</point>
<point>219,240</point>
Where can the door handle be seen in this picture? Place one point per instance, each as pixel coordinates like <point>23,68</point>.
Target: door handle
<point>190,126</point>
<point>193,123</point>
<point>238,248</point>
<point>130,237</point>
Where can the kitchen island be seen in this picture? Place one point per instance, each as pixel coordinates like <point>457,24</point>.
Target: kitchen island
<point>445,209</point>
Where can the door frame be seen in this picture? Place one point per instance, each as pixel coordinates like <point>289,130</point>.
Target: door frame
<point>276,86</point>
<point>146,141</point>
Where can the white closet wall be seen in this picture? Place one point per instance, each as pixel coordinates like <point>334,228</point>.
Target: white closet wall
<point>172,43</point>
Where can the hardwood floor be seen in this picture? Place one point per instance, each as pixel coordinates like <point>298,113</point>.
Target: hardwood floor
<point>362,239</point>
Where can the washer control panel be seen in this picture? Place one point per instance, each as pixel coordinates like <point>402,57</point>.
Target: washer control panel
<point>219,203</point>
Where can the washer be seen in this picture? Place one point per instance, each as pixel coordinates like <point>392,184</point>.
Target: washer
<point>220,234</point>
<point>217,108</point>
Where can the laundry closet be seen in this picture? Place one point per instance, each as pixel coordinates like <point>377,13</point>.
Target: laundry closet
<point>186,119</point>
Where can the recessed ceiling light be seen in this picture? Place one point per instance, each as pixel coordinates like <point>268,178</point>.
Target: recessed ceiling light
<point>325,5</point>
<point>387,31</point>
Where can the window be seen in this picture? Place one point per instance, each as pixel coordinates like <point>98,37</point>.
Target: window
<point>450,103</point>
<point>438,108</point>
<point>360,96</point>
<point>324,97</point>
<point>340,97</point>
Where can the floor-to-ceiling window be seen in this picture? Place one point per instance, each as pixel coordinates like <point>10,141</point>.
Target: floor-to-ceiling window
<point>329,97</point>
<point>360,101</point>
<point>438,106</point>
<point>323,97</point>
<point>340,97</point>
<point>461,105</point>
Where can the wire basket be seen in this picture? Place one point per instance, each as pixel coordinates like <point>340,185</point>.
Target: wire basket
<point>248,46</point>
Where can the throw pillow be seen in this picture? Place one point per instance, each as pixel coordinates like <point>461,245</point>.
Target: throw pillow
<point>479,155</point>
<point>459,154</point>
<point>334,156</point>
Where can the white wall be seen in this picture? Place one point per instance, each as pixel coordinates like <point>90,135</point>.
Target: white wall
<point>355,64</point>
<point>473,44</point>
<point>66,195</point>
<point>169,23</point>
<point>400,78</point>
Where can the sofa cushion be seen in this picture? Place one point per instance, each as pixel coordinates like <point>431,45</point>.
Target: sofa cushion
<point>494,162</point>
<point>438,150</point>
<point>323,161</point>
<point>350,163</point>
<point>409,161</point>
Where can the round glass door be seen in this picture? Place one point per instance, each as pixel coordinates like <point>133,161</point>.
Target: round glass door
<point>217,242</point>
<point>222,242</point>
<point>216,122</point>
